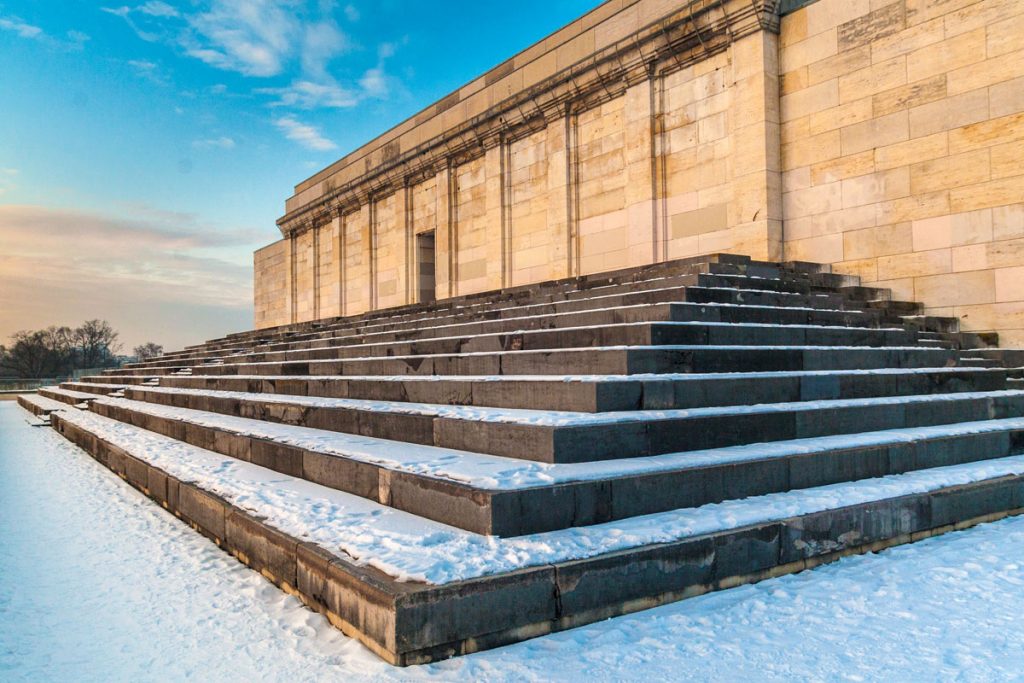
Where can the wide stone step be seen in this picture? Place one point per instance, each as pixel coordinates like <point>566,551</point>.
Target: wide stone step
<point>40,406</point>
<point>493,495</point>
<point>569,437</point>
<point>666,312</point>
<point>434,591</point>
<point>625,360</point>
<point>66,395</point>
<point>592,393</point>
<point>626,334</point>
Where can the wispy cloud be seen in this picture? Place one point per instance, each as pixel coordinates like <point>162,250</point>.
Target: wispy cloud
<point>74,40</point>
<point>155,8</point>
<point>310,95</point>
<point>150,71</point>
<point>306,135</point>
<point>23,29</point>
<point>266,39</point>
<point>222,142</point>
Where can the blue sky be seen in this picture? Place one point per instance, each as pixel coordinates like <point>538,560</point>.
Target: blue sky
<point>147,148</point>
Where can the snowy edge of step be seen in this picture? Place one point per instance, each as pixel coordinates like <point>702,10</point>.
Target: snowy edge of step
<point>667,323</point>
<point>552,418</point>
<point>411,548</point>
<point>40,405</point>
<point>614,347</point>
<point>496,473</point>
<point>638,377</point>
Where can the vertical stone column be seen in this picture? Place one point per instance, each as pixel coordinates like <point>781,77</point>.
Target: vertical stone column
<point>558,194</point>
<point>316,271</point>
<point>494,189</point>
<point>406,274</point>
<point>366,243</point>
<point>641,212</point>
<point>290,293</point>
<point>443,248</point>
<point>756,152</point>
<point>338,235</point>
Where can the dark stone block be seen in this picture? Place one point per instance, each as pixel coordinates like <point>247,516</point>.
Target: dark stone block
<point>277,456</point>
<point>440,615</point>
<point>203,509</point>
<point>261,547</point>
<point>603,583</point>
<point>746,551</point>
<point>340,473</point>
<point>962,503</point>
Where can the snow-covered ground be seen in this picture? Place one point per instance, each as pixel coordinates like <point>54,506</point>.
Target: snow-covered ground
<point>97,583</point>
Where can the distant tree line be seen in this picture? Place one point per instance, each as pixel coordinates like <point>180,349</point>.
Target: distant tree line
<point>59,351</point>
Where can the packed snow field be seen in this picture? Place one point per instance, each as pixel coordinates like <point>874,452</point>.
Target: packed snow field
<point>98,583</point>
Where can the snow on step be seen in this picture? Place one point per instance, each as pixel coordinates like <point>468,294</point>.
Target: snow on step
<point>639,377</point>
<point>669,323</point>
<point>556,418</point>
<point>45,405</point>
<point>411,548</point>
<point>70,393</point>
<point>493,472</point>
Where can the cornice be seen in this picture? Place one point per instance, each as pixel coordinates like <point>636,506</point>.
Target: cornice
<point>692,33</point>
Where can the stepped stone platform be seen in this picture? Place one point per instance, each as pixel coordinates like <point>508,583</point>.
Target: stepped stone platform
<point>443,478</point>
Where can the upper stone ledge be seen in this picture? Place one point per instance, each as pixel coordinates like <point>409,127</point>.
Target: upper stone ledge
<point>597,56</point>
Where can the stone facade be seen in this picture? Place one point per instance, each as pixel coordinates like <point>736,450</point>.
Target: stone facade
<point>877,136</point>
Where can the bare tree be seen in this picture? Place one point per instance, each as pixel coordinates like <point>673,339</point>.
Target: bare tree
<point>36,354</point>
<point>148,351</point>
<point>96,344</point>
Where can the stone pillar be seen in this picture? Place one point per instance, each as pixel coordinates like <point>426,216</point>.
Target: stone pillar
<point>558,195</point>
<point>757,182</point>
<point>290,277</point>
<point>494,189</point>
<point>366,244</point>
<point>444,238</point>
<point>644,243</point>
<point>406,274</point>
<point>338,235</point>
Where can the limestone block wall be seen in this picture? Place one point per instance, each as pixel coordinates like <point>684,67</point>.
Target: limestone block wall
<point>630,161</point>
<point>271,285</point>
<point>902,138</point>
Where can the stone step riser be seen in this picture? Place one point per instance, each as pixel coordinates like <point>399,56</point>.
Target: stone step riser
<point>692,295</point>
<point>607,441</point>
<point>580,503</point>
<point>611,335</point>
<point>596,361</point>
<point>494,323</point>
<point>408,623</point>
<point>601,396</point>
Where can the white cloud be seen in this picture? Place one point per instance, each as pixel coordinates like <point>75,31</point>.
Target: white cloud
<point>222,142</point>
<point>155,8</point>
<point>150,71</point>
<point>375,83</point>
<point>18,26</point>
<point>253,37</point>
<point>351,13</point>
<point>310,95</point>
<point>307,136</point>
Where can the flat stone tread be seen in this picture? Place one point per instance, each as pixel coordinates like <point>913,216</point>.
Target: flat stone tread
<point>70,393</point>
<point>45,404</point>
<point>597,379</point>
<point>410,548</point>
<point>550,418</point>
<point>496,473</point>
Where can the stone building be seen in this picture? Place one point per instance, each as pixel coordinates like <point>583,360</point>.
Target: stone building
<point>882,137</point>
